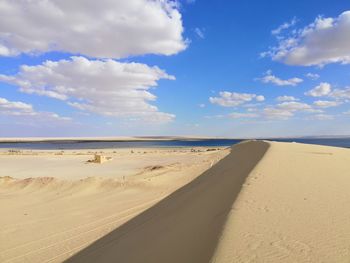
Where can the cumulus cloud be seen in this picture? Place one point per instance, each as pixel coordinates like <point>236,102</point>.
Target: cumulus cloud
<point>235,115</point>
<point>284,26</point>
<point>326,90</point>
<point>294,106</point>
<point>105,87</point>
<point>260,98</point>
<point>102,29</point>
<point>321,117</point>
<point>233,99</point>
<point>239,115</point>
<point>284,110</point>
<point>341,94</point>
<point>276,113</point>
<point>312,76</point>
<point>326,40</point>
<point>326,103</point>
<point>321,90</point>
<point>287,109</point>
<point>286,98</point>
<point>18,108</point>
<point>270,78</point>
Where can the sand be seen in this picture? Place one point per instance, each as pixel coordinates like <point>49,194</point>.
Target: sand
<point>294,207</point>
<point>258,202</point>
<point>55,203</point>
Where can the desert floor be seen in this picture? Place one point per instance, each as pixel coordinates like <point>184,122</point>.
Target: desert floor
<point>54,203</point>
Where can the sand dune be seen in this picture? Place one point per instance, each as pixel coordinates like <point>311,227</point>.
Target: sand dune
<point>185,226</point>
<point>293,207</point>
<point>263,202</point>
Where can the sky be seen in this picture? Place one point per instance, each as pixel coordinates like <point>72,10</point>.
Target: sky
<point>189,68</point>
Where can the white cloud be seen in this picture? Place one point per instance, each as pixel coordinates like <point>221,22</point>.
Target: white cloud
<point>103,29</point>
<point>21,109</point>
<point>238,115</point>
<point>270,78</point>
<point>284,26</point>
<point>252,109</point>
<point>286,109</point>
<point>275,113</point>
<point>312,76</point>
<point>233,99</point>
<point>202,105</point>
<point>321,117</point>
<point>105,87</point>
<point>199,32</point>
<point>286,98</point>
<point>281,111</point>
<point>260,98</point>
<point>321,90</point>
<point>326,40</point>
<point>341,93</point>
<point>6,105</point>
<point>326,103</point>
<point>325,90</point>
<point>294,106</point>
<point>218,116</point>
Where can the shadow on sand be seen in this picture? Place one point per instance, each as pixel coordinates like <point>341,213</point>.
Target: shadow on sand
<point>185,226</point>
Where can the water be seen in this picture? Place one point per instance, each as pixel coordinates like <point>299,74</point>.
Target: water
<point>66,145</point>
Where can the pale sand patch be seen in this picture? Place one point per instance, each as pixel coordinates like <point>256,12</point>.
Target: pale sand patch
<point>72,164</point>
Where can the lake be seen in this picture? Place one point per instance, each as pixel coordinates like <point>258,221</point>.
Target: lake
<point>66,145</point>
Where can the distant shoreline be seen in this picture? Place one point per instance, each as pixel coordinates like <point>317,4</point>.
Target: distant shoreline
<point>150,139</point>
<point>114,139</point>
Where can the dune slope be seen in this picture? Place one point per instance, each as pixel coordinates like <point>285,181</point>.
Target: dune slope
<point>295,208</point>
<point>185,226</point>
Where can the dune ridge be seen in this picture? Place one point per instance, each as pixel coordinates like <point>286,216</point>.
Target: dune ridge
<point>186,225</point>
<point>264,202</point>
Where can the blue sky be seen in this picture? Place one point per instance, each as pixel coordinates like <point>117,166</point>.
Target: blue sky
<point>207,68</point>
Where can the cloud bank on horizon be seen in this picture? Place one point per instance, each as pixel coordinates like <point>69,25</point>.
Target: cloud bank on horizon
<point>63,60</point>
